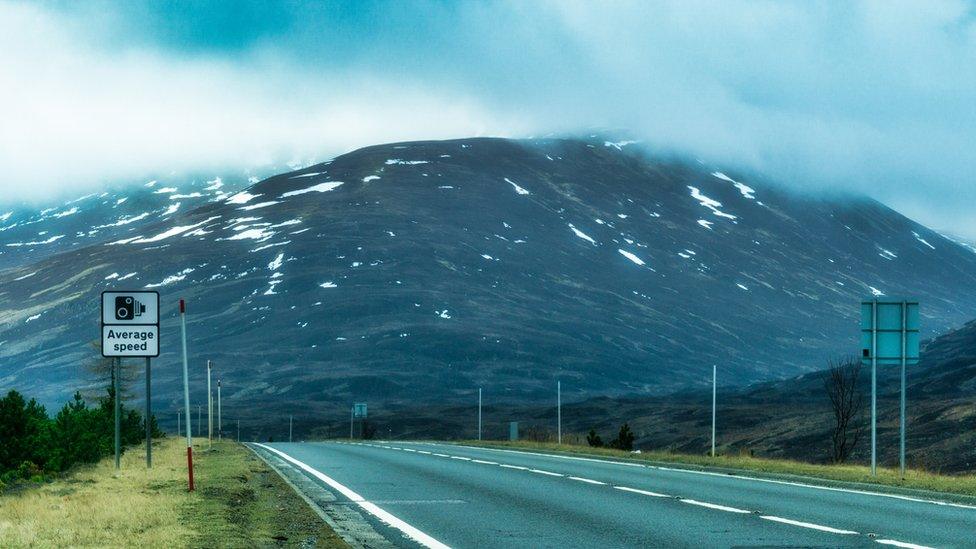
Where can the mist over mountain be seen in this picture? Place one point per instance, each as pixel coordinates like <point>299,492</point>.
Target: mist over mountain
<point>415,272</point>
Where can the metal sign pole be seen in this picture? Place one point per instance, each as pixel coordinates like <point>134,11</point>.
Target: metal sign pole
<point>714,394</point>
<point>117,368</point>
<point>148,418</point>
<point>179,429</point>
<point>186,396</point>
<point>220,423</point>
<point>874,388</point>
<point>209,408</point>
<point>352,413</point>
<point>904,360</point>
<point>199,420</point>
<point>479,413</point>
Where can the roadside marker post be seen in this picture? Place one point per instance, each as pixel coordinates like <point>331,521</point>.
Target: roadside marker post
<point>290,419</point>
<point>179,413</point>
<point>714,394</point>
<point>199,420</point>
<point>209,407</point>
<point>889,336</point>
<point>220,423</point>
<point>559,412</point>
<point>130,328</point>
<point>186,396</point>
<point>479,413</point>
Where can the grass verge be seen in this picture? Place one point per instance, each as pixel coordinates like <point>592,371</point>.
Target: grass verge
<point>239,502</point>
<point>953,485</point>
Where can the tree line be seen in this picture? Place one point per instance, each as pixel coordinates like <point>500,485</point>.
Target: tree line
<point>34,445</point>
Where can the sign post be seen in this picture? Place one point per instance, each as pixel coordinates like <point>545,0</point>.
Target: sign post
<point>358,412</point>
<point>889,336</point>
<point>130,328</point>
<point>186,397</point>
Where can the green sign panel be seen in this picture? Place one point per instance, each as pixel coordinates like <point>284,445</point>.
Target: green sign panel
<point>897,328</point>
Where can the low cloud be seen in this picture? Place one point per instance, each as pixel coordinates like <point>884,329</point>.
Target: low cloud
<point>873,97</point>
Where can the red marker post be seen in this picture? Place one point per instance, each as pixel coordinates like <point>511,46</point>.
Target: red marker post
<point>186,396</point>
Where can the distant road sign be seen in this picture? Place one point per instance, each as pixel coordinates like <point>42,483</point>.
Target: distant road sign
<point>359,410</point>
<point>130,324</point>
<point>889,327</point>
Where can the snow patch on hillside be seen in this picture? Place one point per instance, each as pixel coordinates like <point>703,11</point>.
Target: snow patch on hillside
<point>320,188</point>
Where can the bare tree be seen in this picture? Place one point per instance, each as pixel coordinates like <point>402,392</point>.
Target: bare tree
<point>847,405</point>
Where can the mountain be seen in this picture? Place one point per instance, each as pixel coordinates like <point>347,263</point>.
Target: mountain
<point>411,273</point>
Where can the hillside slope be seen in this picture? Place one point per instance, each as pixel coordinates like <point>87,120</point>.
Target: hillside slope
<point>413,272</point>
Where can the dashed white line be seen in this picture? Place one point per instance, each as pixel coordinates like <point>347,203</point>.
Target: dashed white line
<point>809,525</point>
<point>901,544</point>
<point>367,506</point>
<point>714,506</point>
<point>423,452</point>
<point>440,455</point>
<point>505,465</point>
<point>642,492</point>
<point>484,462</point>
<point>550,473</point>
<point>587,480</point>
<point>461,458</point>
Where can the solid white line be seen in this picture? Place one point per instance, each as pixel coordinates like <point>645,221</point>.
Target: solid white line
<point>642,492</point>
<point>736,476</point>
<point>809,525</point>
<point>713,506</point>
<point>371,508</point>
<point>587,480</point>
<point>901,544</point>
<point>550,473</point>
<point>484,462</point>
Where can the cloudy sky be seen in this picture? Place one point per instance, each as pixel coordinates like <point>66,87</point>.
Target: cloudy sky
<point>873,97</point>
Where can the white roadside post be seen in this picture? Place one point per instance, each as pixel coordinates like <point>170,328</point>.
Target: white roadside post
<point>559,412</point>
<point>904,362</point>
<point>199,420</point>
<point>479,413</point>
<point>209,406</point>
<point>874,388</point>
<point>220,424</point>
<point>290,420</point>
<point>714,393</point>
<point>186,395</point>
<point>238,430</point>
<point>179,428</point>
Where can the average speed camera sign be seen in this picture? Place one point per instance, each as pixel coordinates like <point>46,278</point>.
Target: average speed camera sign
<point>130,324</point>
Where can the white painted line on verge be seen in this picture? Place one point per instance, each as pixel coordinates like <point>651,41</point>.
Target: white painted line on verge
<point>550,473</point>
<point>642,492</point>
<point>371,508</point>
<point>587,480</point>
<point>736,476</point>
<point>901,544</point>
<point>809,525</point>
<point>714,506</point>
<point>484,462</point>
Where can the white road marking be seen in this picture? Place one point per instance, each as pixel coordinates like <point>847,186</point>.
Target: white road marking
<point>714,506</point>
<point>736,476</point>
<point>371,508</point>
<point>809,525</point>
<point>587,480</point>
<point>409,450</point>
<point>642,492</point>
<point>461,457</point>
<point>484,462</point>
<point>901,544</point>
<point>514,467</point>
<point>550,473</point>
<point>440,455</point>
<point>423,452</point>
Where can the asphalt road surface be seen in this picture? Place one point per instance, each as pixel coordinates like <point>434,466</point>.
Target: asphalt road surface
<point>440,495</point>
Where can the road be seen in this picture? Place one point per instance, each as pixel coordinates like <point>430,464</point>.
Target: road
<point>439,495</point>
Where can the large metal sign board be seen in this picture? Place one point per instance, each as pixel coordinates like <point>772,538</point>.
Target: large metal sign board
<point>130,324</point>
<point>359,410</point>
<point>895,318</point>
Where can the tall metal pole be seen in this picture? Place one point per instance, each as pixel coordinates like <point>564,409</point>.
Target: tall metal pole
<point>220,423</point>
<point>559,412</point>
<point>290,419</point>
<point>148,418</point>
<point>874,388</point>
<point>238,430</point>
<point>209,406</point>
<point>186,396</point>
<point>179,428</point>
<point>199,420</point>
<point>117,366</point>
<point>479,413</point>
<point>714,394</point>
<point>904,360</point>
<point>352,411</point>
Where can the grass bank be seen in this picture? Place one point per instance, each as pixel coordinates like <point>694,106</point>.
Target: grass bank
<point>239,502</point>
<point>958,485</point>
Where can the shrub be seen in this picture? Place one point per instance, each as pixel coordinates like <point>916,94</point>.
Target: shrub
<point>594,439</point>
